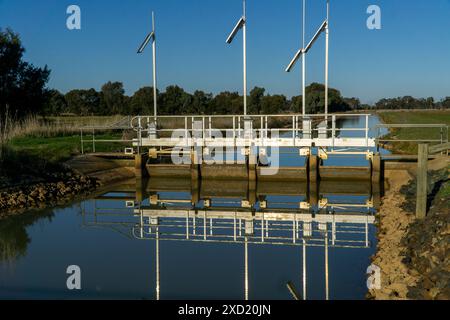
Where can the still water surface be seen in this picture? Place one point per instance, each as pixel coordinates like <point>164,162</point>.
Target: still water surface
<point>168,250</point>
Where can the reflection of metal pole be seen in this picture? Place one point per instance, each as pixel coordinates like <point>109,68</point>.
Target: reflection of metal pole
<point>304,269</point>
<point>292,290</point>
<point>327,289</point>
<point>246,269</point>
<point>157,264</point>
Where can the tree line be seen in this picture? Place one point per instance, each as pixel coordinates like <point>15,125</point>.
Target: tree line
<point>24,91</point>
<point>111,100</point>
<point>408,102</point>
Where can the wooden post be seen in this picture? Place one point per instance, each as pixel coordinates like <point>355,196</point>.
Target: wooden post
<point>195,166</point>
<point>422,185</point>
<point>376,168</point>
<point>314,163</point>
<point>252,177</point>
<point>140,165</point>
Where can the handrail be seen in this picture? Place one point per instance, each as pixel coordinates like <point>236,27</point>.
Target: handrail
<point>439,148</point>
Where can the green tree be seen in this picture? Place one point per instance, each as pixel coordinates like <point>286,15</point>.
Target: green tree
<point>56,103</point>
<point>353,103</point>
<point>255,100</point>
<point>84,102</point>
<point>200,102</point>
<point>445,103</point>
<point>274,104</point>
<point>175,101</point>
<point>296,104</point>
<point>113,98</point>
<point>315,99</point>
<point>141,102</point>
<point>22,86</point>
<point>227,103</point>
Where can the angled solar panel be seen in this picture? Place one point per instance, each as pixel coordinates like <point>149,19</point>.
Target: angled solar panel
<point>150,36</point>
<point>236,29</point>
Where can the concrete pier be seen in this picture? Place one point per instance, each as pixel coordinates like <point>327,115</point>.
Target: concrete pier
<point>249,170</point>
<point>140,163</point>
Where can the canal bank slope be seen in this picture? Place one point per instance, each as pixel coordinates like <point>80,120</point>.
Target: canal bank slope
<point>414,255</point>
<point>54,185</point>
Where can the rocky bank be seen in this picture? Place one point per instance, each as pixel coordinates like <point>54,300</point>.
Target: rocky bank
<point>413,255</point>
<point>61,189</point>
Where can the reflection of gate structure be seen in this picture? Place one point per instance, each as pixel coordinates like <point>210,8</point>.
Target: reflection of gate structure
<point>280,217</point>
<point>271,227</point>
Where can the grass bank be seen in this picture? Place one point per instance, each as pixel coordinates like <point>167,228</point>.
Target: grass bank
<point>416,117</point>
<point>34,148</point>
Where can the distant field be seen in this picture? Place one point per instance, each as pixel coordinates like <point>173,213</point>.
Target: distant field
<point>416,117</point>
<point>78,121</point>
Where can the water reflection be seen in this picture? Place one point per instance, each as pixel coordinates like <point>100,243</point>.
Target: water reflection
<point>329,214</point>
<point>14,239</point>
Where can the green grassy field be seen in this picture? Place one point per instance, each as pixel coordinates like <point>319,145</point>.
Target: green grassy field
<point>415,117</point>
<point>62,148</point>
<point>34,158</point>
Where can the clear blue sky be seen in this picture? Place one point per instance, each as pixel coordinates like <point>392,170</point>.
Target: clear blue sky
<point>408,56</point>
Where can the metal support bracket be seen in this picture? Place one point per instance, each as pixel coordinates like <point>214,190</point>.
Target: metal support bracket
<point>323,154</point>
<point>369,156</point>
<point>154,199</point>
<point>305,205</point>
<point>305,152</point>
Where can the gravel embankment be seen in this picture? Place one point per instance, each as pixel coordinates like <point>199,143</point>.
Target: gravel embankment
<point>414,255</point>
<point>61,189</point>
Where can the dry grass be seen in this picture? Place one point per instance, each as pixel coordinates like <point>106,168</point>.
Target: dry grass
<point>35,126</point>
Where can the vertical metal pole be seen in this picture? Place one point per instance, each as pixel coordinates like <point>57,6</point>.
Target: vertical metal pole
<point>333,131</point>
<point>187,225</point>
<point>157,264</point>
<point>327,285</point>
<point>93,140</point>
<point>326,59</point>
<point>367,131</point>
<point>366,229</point>
<point>155,92</point>
<point>244,30</point>
<point>246,269</point>
<point>304,269</point>
<point>204,226</point>
<point>82,142</point>
<point>141,221</point>
<point>262,227</point>
<point>234,227</point>
<point>304,62</point>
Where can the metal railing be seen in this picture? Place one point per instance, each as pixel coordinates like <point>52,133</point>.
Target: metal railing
<point>290,127</point>
<point>88,134</point>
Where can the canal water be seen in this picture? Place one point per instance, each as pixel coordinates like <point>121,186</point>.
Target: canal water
<point>147,241</point>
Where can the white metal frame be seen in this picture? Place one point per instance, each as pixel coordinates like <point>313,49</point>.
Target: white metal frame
<point>305,48</point>
<point>152,37</point>
<point>262,136</point>
<point>242,24</point>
